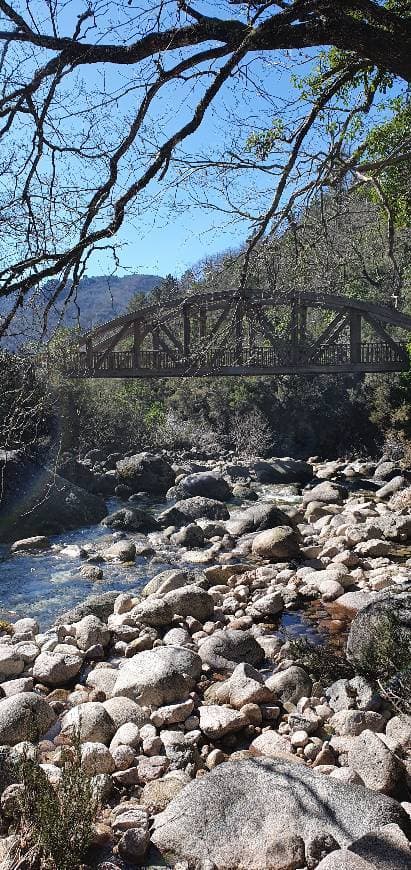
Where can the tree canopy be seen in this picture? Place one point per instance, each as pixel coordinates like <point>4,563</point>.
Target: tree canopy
<point>100,103</point>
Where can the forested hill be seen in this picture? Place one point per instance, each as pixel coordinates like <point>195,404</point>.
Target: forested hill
<point>98,298</point>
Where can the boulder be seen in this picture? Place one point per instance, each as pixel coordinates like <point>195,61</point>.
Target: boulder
<point>152,611</point>
<point>216,722</point>
<point>121,551</point>
<point>130,520</point>
<point>28,545</point>
<point>290,685</point>
<point>191,509</point>
<point>159,676</point>
<point>189,536</point>
<point>24,717</point>
<point>242,815</point>
<point>124,711</point>
<point>145,472</point>
<point>227,648</point>
<point>277,544</point>
<point>98,605</point>
<point>11,662</point>
<point>208,484</point>
<point>90,722</point>
<point>377,766</point>
<point>257,518</point>
<point>166,581</point>
<point>57,669</point>
<point>283,471</point>
<point>326,493</point>
<point>190,601</point>
<point>91,631</point>
<point>36,501</point>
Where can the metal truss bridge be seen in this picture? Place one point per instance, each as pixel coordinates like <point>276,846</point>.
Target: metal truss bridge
<point>253,333</point>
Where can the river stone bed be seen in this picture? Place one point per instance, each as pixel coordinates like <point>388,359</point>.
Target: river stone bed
<point>210,746</point>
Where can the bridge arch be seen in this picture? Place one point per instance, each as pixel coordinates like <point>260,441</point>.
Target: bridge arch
<point>252,333</point>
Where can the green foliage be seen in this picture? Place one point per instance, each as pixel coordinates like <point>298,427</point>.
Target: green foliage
<point>385,141</point>
<point>322,661</point>
<point>56,821</point>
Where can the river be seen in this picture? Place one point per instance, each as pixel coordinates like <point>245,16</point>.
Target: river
<point>45,584</point>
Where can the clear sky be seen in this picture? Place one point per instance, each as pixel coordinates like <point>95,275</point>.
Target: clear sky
<point>160,242</point>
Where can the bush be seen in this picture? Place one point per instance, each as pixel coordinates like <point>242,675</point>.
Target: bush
<point>56,821</point>
<point>322,661</point>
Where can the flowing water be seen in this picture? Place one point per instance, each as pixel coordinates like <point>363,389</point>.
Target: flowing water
<point>45,584</point>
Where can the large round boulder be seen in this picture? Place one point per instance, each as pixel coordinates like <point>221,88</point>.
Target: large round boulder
<point>190,509</point>
<point>254,814</point>
<point>208,484</point>
<point>159,676</point>
<point>225,649</point>
<point>257,518</point>
<point>56,668</point>
<point>326,493</point>
<point>279,543</point>
<point>26,716</point>
<point>130,519</point>
<point>191,601</point>
<point>283,471</point>
<point>145,472</point>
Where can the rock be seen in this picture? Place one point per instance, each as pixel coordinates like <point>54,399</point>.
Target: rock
<point>245,686</point>
<point>124,711</point>
<point>377,766</point>
<point>98,605</point>
<point>352,722</point>
<point>344,860</point>
<point>268,605</point>
<point>398,731</point>
<point>130,520</point>
<point>375,620</point>
<point>268,803</point>
<point>24,717</point>
<point>206,484</point>
<point>385,849</point>
<point>96,758</point>
<point>27,545</point>
<point>373,548</point>
<point>145,472</point>
<point>326,493</point>
<point>102,679</point>
<point>216,722</point>
<point>172,714</point>
<point>159,676</point>
<point>276,544</point>
<point>134,844</point>
<point>290,685</point>
<point>57,669</point>
<point>190,601</point>
<point>26,627</point>
<point>257,518</point>
<point>14,687</point>
<point>158,793</point>
<point>36,501</point>
<point>352,602</point>
<point>189,536</point>
<point>11,663</point>
<point>273,745</point>
<point>90,721</point>
<point>121,551</point>
<point>225,649</point>
<point>283,471</point>
<point>191,509</point>
<point>395,485</point>
<point>91,631</point>
<point>152,611</point>
<point>127,735</point>
<point>386,470</point>
<point>166,581</point>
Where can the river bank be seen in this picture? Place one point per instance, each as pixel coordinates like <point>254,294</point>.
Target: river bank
<point>213,741</point>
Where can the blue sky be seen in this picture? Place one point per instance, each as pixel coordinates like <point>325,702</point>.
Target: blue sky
<point>160,242</point>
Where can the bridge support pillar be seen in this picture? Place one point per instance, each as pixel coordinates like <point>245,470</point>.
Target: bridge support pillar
<point>203,322</point>
<point>355,337</point>
<point>89,354</point>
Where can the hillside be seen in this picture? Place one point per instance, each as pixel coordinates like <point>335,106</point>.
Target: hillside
<point>99,298</point>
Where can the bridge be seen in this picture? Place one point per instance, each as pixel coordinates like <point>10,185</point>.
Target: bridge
<point>252,333</point>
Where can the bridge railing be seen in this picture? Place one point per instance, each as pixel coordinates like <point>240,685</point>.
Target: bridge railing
<point>366,353</point>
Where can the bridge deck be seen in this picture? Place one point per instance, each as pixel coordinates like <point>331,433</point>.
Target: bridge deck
<point>328,359</point>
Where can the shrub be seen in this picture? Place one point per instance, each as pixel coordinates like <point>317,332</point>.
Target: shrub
<point>56,820</point>
<point>322,661</point>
